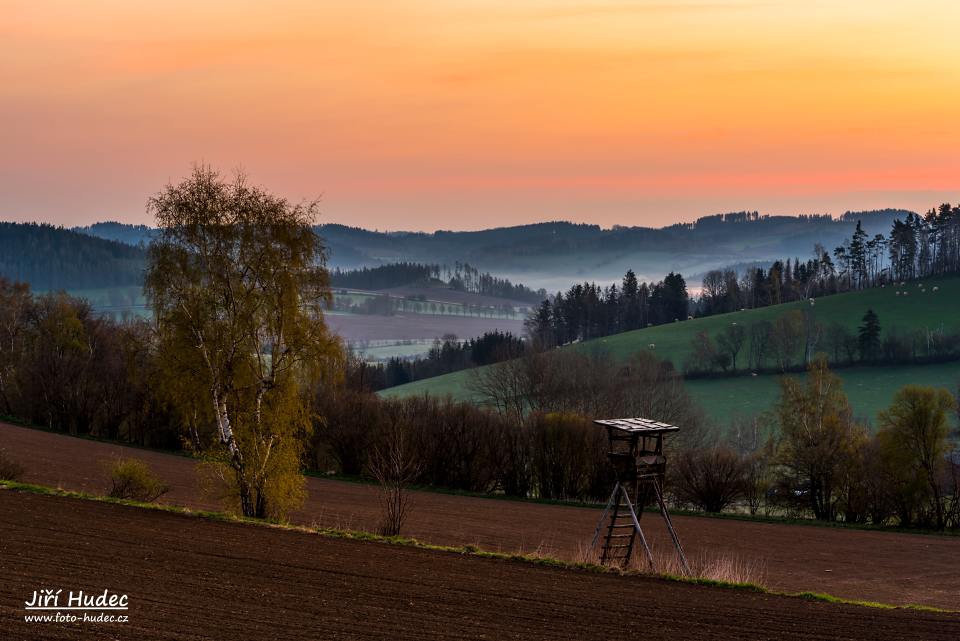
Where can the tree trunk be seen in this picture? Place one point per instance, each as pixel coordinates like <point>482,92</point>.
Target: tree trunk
<point>236,457</point>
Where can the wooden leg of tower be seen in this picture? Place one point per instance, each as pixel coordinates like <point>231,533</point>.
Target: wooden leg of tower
<point>639,531</point>
<point>603,518</point>
<point>673,533</point>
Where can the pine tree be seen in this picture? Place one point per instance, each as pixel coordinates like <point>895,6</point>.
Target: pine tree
<point>630,299</point>
<point>858,255</point>
<point>868,336</point>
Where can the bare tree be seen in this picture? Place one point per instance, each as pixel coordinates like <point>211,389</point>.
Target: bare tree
<point>395,467</point>
<point>15,302</point>
<point>711,479</point>
<point>759,343</point>
<point>785,339</point>
<point>812,331</point>
<point>731,341</point>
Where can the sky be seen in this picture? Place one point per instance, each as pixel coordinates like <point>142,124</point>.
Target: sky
<point>464,114</point>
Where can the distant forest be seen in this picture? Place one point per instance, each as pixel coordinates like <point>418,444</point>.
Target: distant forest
<point>52,258</point>
<point>49,257</point>
<point>917,247</point>
<point>461,277</point>
<point>554,253</point>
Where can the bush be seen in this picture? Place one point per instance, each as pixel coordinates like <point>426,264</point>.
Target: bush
<point>9,470</point>
<point>710,479</point>
<point>132,479</point>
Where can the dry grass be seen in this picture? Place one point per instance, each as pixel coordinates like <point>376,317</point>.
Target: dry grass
<point>711,566</point>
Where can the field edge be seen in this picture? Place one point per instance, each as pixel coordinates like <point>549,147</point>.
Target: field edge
<point>466,550</point>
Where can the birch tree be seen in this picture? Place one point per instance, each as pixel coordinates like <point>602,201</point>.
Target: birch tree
<point>236,279</point>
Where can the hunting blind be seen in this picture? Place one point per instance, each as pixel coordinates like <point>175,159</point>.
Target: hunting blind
<point>636,455</point>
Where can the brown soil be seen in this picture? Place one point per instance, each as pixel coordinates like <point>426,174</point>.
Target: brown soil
<point>189,578</point>
<point>889,567</point>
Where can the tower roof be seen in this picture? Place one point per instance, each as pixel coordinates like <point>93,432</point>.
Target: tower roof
<point>637,425</point>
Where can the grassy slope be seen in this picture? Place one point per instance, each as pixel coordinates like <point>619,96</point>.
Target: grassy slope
<point>870,389</point>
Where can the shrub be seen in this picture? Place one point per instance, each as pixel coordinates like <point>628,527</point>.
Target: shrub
<point>132,479</point>
<point>9,470</point>
<point>710,479</point>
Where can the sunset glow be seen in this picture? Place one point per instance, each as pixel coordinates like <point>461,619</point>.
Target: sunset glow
<point>467,114</point>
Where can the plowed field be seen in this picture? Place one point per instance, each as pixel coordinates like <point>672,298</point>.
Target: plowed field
<point>188,579</point>
<point>888,567</point>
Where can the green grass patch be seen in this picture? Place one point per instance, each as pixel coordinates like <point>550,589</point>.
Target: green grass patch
<point>870,388</point>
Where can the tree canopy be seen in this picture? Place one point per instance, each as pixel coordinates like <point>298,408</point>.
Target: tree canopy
<point>236,281</point>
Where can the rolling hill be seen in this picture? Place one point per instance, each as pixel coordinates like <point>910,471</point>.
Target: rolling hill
<point>555,254</point>
<point>870,388</point>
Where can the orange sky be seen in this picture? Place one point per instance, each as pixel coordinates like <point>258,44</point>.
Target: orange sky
<point>465,114</point>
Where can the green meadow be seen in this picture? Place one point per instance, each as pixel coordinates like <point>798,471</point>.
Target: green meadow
<point>870,388</point>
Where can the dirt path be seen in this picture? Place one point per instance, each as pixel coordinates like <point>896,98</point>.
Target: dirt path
<point>189,579</point>
<point>877,566</point>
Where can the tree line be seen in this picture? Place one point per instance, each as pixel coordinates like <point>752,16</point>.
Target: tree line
<point>916,247</point>
<point>791,340</point>
<point>919,246</point>
<point>587,310</point>
<point>461,277</point>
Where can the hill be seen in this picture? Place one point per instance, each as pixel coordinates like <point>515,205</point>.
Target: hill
<point>870,388</point>
<point>136,235</point>
<point>554,254</point>
<point>52,258</point>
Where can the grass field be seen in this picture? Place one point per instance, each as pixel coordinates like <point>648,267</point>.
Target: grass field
<point>870,388</point>
<point>918,310</point>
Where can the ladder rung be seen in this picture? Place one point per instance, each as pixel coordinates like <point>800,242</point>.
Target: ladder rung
<point>619,536</point>
<point>616,547</point>
<point>619,526</point>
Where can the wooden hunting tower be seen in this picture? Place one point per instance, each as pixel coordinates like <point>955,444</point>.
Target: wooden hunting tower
<point>636,454</point>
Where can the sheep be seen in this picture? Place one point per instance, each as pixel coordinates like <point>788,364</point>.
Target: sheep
<point>897,292</point>
<point>652,346</point>
<point>936,288</point>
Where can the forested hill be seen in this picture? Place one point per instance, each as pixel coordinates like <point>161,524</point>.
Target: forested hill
<point>120,232</point>
<point>51,258</point>
<point>461,278</point>
<point>549,255</point>
<point>554,254</point>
